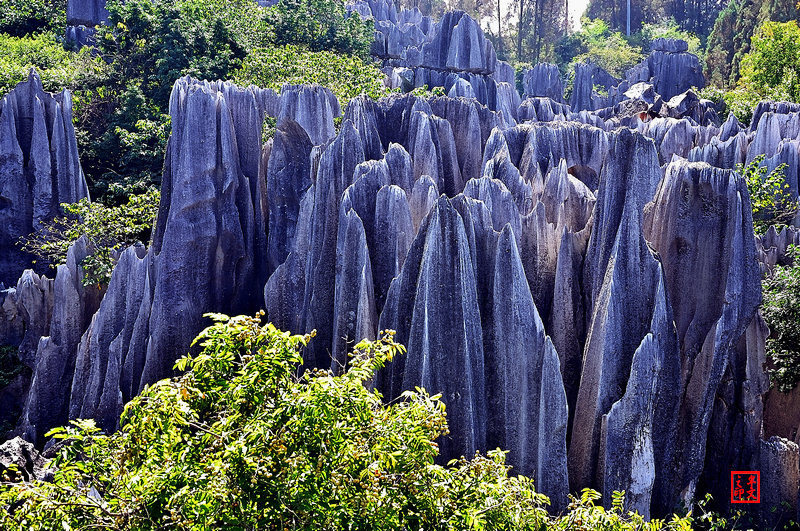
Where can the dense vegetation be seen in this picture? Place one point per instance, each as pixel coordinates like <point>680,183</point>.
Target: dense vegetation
<point>734,27</point>
<point>57,67</point>
<point>347,76</point>
<point>121,91</point>
<point>781,310</point>
<point>19,18</point>
<point>240,441</point>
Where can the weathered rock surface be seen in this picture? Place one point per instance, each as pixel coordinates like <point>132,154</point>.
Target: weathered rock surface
<point>587,77</point>
<point>571,285</point>
<point>212,214</point>
<point>26,311</point>
<point>543,80</point>
<point>713,248</point>
<point>88,13</point>
<point>73,305</point>
<point>39,167</point>
<point>19,458</point>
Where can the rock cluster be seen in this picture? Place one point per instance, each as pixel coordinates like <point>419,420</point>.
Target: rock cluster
<point>580,283</point>
<point>39,167</point>
<point>452,53</point>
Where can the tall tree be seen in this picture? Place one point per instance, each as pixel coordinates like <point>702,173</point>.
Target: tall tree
<point>733,29</point>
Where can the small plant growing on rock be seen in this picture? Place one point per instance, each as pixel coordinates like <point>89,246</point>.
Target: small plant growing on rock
<point>770,195</point>
<point>109,229</point>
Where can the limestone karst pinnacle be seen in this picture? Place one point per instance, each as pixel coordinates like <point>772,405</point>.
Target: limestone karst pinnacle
<point>579,281</point>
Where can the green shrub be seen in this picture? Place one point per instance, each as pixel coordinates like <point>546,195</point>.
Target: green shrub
<point>57,67</point>
<point>773,63</point>
<point>606,49</point>
<point>770,195</point>
<point>320,25</point>
<point>109,229</point>
<point>668,29</point>
<point>240,441</point>
<point>781,310</point>
<point>19,18</point>
<point>742,102</point>
<point>346,75</point>
<point>770,71</point>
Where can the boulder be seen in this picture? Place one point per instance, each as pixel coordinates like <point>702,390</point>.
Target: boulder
<point>19,459</point>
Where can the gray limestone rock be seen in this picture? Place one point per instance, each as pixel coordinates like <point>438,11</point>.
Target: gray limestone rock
<point>780,480</point>
<point>773,130</point>
<point>355,317</point>
<point>630,324</point>
<point>73,305</point>
<point>25,313</point>
<point>288,178</point>
<point>39,167</point>
<point>313,107</point>
<point>212,217</point>
<point>543,80</point>
<point>86,12</point>
<point>19,458</point>
<point>499,166</point>
<point>361,113</point>
<point>420,306</point>
<point>777,107</point>
<point>669,45</point>
<point>674,72</point>
<point>525,391</point>
<point>459,43</point>
<point>461,89</point>
<point>423,197</point>
<point>587,77</point>
<point>713,250</point>
<point>535,148</point>
<point>472,124</point>
<point>722,153</point>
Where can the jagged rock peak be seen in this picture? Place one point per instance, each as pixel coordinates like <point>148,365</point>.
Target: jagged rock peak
<point>459,44</point>
<point>543,80</point>
<point>39,166</point>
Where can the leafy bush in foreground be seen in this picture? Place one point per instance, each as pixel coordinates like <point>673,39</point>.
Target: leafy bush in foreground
<point>346,75</point>
<point>109,229</point>
<point>240,441</point>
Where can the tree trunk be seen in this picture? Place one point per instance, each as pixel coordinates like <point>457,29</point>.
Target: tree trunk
<point>520,29</point>
<point>499,32</point>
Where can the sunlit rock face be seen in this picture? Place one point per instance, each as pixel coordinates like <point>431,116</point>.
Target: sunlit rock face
<point>580,282</point>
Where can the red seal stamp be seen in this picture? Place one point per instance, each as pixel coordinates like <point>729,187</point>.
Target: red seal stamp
<point>746,486</point>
